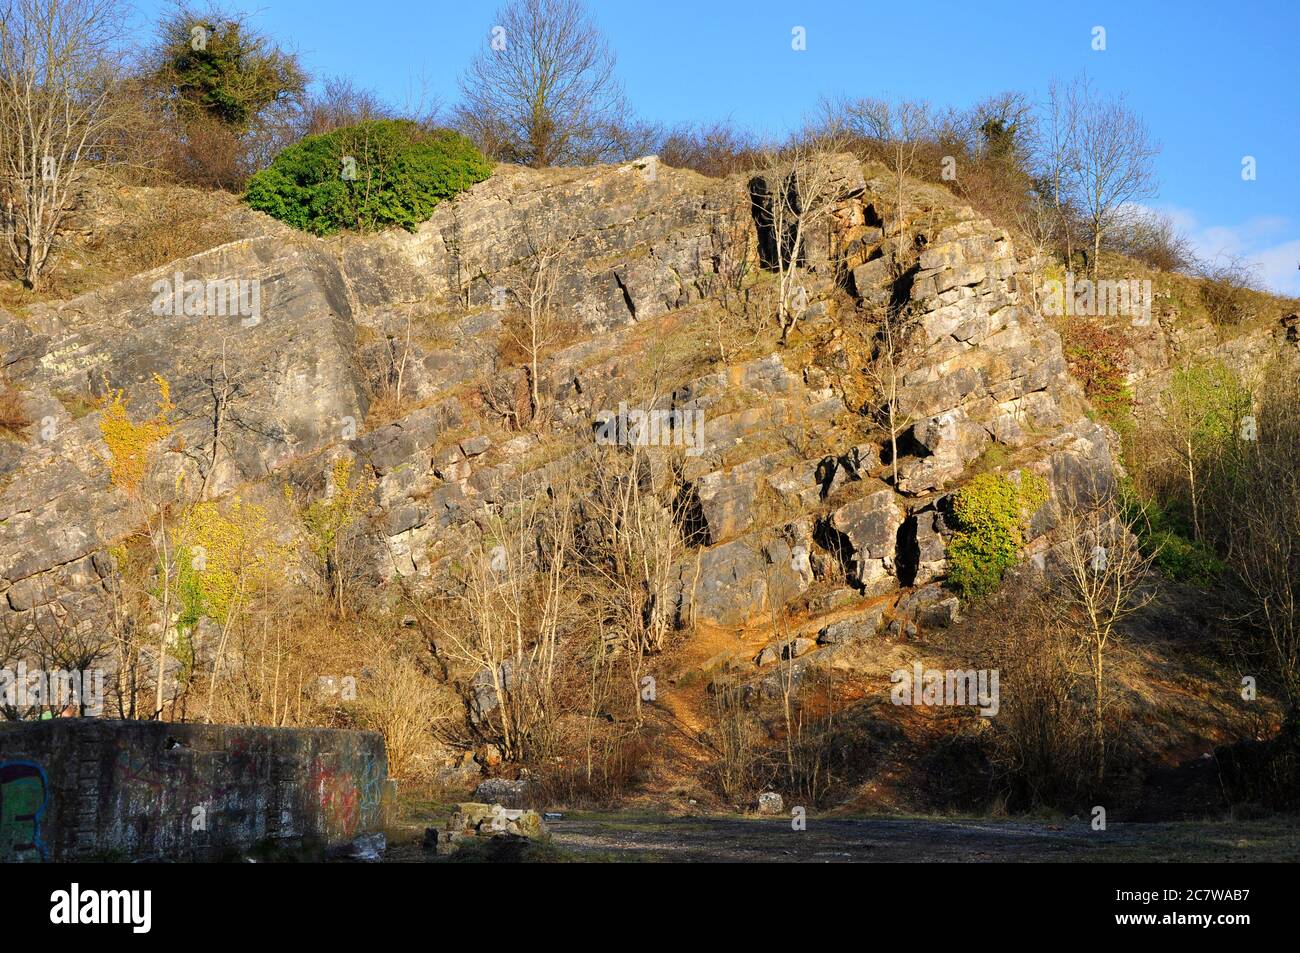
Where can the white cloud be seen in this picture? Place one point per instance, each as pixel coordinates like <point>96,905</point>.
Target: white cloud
<point>1279,267</point>
<point>1264,241</point>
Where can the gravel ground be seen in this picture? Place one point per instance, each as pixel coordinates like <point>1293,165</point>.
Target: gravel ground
<point>622,837</point>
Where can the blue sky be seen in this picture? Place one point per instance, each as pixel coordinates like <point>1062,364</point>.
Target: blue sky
<point>1215,81</point>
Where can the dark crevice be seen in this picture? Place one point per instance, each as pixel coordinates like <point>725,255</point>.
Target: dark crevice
<point>690,517</point>
<point>901,291</point>
<point>907,552</point>
<point>762,202</point>
<point>837,544</point>
<point>908,446</point>
<point>825,475</point>
<point>627,297</point>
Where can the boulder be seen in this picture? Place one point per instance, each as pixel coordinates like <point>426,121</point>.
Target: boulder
<point>951,441</point>
<point>483,687</point>
<point>781,651</point>
<point>929,559</point>
<point>856,628</point>
<point>872,281</point>
<point>930,605</point>
<point>464,775</point>
<point>869,525</point>
<point>729,587</point>
<point>769,802</point>
<point>835,599</point>
<point>513,794</point>
<point>726,503</point>
<point>366,849</point>
<point>473,820</point>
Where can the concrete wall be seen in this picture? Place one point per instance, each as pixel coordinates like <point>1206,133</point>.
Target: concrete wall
<point>89,788</point>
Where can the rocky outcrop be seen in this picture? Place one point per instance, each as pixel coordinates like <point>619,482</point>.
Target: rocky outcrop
<point>497,827</point>
<point>789,494</point>
<point>630,243</point>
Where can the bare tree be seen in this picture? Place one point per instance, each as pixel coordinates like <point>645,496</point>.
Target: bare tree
<point>503,619</point>
<point>1226,283</point>
<point>535,295</point>
<point>543,92</point>
<point>1261,521</point>
<point>340,103</point>
<point>886,374</point>
<point>1041,745</point>
<point>1151,236</point>
<point>794,198</point>
<point>806,739</point>
<point>735,738</point>
<point>898,129</point>
<point>1000,126</point>
<point>226,389</point>
<point>51,640</point>
<point>56,109</point>
<point>1054,157</point>
<point>1038,220</point>
<point>1201,410</point>
<point>1112,158</point>
<point>402,702</point>
<point>631,556</point>
<point>1104,581</point>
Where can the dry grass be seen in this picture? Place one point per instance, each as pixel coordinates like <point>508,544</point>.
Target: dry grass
<point>128,230</point>
<point>13,418</point>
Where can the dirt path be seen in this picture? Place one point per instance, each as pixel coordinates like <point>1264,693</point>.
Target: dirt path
<point>712,647</point>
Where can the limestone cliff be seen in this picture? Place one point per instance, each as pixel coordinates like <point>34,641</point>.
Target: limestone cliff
<point>790,498</point>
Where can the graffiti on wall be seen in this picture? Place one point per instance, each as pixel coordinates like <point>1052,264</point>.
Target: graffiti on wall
<point>24,794</point>
<point>243,786</point>
<point>349,800</point>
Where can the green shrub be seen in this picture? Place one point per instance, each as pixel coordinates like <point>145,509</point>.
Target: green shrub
<point>1164,534</point>
<point>1186,560</point>
<point>366,177</point>
<point>991,514</point>
<point>1205,405</point>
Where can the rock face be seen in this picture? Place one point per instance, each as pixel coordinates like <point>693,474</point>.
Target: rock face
<point>288,349</point>
<point>788,492</point>
<point>870,526</point>
<point>632,244</point>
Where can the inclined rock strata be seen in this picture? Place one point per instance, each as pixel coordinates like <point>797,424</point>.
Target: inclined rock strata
<point>773,513</point>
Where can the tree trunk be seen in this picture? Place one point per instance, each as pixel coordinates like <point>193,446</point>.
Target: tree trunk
<point>1099,727</point>
<point>1191,485</point>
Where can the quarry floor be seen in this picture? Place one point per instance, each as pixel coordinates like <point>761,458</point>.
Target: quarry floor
<point>633,837</point>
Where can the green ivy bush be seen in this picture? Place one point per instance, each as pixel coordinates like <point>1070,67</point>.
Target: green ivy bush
<point>991,513</point>
<point>1163,533</point>
<point>367,177</point>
